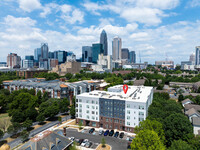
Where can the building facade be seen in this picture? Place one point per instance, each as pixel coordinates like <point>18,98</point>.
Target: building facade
<point>114,109</point>
<point>3,64</point>
<point>62,57</point>
<point>13,60</point>
<point>116,48</point>
<point>27,63</point>
<point>125,53</point>
<point>104,42</point>
<point>37,54</point>
<point>87,54</point>
<point>132,57</point>
<point>96,50</point>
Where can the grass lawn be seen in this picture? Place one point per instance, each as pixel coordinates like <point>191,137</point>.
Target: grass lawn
<point>4,121</point>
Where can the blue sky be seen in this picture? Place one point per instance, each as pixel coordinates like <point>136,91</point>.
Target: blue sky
<point>158,29</point>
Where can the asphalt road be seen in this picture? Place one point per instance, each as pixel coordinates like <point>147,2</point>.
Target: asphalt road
<point>116,143</point>
<point>18,140</point>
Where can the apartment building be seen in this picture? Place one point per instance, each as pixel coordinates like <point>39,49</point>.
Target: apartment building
<point>54,88</point>
<point>113,109</point>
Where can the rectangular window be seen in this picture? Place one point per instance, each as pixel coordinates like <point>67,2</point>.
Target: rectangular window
<point>106,119</point>
<point>93,107</point>
<point>96,113</point>
<point>80,105</point>
<point>80,100</point>
<point>93,117</point>
<point>141,113</point>
<point>141,107</point>
<point>116,121</point>
<point>87,111</point>
<point>80,110</point>
<point>128,112</point>
<point>80,115</point>
<point>92,102</point>
<point>128,117</point>
<point>87,101</point>
<point>88,117</point>
<point>96,107</point>
<point>96,102</point>
<point>88,106</point>
<point>96,118</point>
<point>94,124</point>
<point>128,124</point>
<point>128,105</point>
<point>93,112</point>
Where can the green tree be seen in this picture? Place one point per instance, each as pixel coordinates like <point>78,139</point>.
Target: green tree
<point>1,133</point>
<point>80,124</point>
<point>24,135</point>
<point>103,142</point>
<point>73,146</point>
<point>177,126</point>
<point>40,118</point>
<point>180,145</point>
<point>152,125</point>
<point>27,124</point>
<point>180,98</point>
<point>147,140</point>
<point>72,111</point>
<point>14,128</point>
<point>60,119</point>
<point>63,105</point>
<point>68,76</point>
<point>39,98</point>
<point>18,116</point>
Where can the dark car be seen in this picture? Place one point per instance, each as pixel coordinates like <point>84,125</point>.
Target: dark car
<point>80,141</point>
<point>91,130</point>
<point>129,145</point>
<point>116,134</point>
<point>121,135</point>
<point>106,133</point>
<point>111,133</point>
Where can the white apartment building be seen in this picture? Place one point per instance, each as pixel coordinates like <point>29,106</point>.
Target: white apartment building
<point>113,109</point>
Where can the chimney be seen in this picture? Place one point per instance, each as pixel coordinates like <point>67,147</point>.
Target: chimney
<point>64,131</point>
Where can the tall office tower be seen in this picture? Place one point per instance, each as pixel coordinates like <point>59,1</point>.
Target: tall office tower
<point>132,57</point>
<point>116,48</point>
<point>44,51</point>
<point>192,58</point>
<point>28,62</point>
<point>37,54</point>
<point>96,50</point>
<point>29,57</point>
<point>87,54</point>
<point>13,61</point>
<point>51,55</point>
<point>62,57</point>
<point>197,56</point>
<point>125,53</point>
<point>104,42</point>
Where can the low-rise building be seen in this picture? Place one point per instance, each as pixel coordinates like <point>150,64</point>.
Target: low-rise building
<point>191,113</point>
<point>113,109</point>
<point>168,64</point>
<point>54,88</point>
<point>67,67</point>
<point>29,73</point>
<point>196,125</point>
<point>186,101</point>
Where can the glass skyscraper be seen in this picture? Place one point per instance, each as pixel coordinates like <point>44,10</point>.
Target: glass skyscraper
<point>44,51</point>
<point>104,42</point>
<point>96,50</point>
<point>132,57</point>
<point>197,56</point>
<point>62,55</point>
<point>87,54</point>
<point>116,48</point>
<point>37,54</point>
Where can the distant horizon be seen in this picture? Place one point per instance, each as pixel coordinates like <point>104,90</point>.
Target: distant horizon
<point>155,29</point>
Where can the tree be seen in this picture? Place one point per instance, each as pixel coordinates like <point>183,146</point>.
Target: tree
<point>39,98</point>
<point>68,76</point>
<point>24,135</point>
<point>18,116</point>
<point>60,119</point>
<point>80,124</point>
<point>152,125</point>
<point>103,142</point>
<point>73,146</point>
<point>180,145</point>
<point>14,128</point>
<point>180,98</point>
<point>72,112</point>
<point>40,118</point>
<point>177,126</point>
<point>63,105</point>
<point>1,133</point>
<point>27,124</point>
<point>4,124</point>
<point>147,140</point>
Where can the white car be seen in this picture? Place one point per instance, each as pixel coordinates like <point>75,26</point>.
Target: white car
<point>84,142</point>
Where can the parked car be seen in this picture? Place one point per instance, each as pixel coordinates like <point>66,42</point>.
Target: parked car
<point>72,138</point>
<point>106,133</point>
<point>91,130</point>
<point>111,133</point>
<point>80,141</point>
<point>129,145</point>
<point>84,142</point>
<point>101,132</point>
<point>88,144</point>
<point>121,135</point>
<point>116,134</point>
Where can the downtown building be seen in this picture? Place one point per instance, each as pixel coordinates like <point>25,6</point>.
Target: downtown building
<point>113,109</point>
<point>13,60</point>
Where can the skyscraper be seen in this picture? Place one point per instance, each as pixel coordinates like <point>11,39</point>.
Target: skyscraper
<point>87,54</point>
<point>104,42</point>
<point>96,50</point>
<point>116,48</point>
<point>37,54</point>
<point>62,57</point>
<point>43,60</point>
<point>13,61</point>
<point>197,56</point>
<point>192,58</point>
<point>132,57</point>
<point>125,53</point>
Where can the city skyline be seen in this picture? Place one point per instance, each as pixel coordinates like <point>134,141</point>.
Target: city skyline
<point>170,26</point>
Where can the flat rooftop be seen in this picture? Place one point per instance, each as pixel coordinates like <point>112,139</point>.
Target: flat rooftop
<point>134,93</point>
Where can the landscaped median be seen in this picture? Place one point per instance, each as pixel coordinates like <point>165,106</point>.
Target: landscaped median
<point>107,147</point>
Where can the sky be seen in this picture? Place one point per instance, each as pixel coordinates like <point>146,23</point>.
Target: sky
<point>154,29</point>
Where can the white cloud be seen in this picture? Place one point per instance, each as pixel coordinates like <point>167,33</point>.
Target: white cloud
<point>29,5</point>
<point>193,3</point>
<point>140,36</point>
<point>93,7</point>
<point>65,8</point>
<point>76,16</point>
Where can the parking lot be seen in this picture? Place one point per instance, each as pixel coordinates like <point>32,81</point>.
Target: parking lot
<point>95,138</point>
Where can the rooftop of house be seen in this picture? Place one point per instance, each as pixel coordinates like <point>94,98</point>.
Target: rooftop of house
<point>186,101</point>
<point>192,111</point>
<point>196,121</point>
<point>47,140</point>
<point>189,106</point>
<point>134,93</point>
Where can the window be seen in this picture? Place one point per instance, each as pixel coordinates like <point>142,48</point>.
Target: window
<point>80,110</point>
<point>87,101</point>
<point>120,121</point>
<point>128,124</point>
<point>96,118</point>
<point>93,117</point>
<point>88,106</point>
<point>96,113</point>
<point>116,121</point>
<point>94,124</point>
<point>106,119</point>
<point>96,107</point>
<point>128,112</point>
<point>87,111</point>
<point>92,102</point>
<point>141,113</point>
<point>80,105</point>
<point>76,100</point>
<point>80,100</point>
<point>80,115</point>
<point>96,102</point>
<point>88,117</point>
<point>128,117</point>
<point>128,105</point>
<point>93,112</point>
<point>141,107</point>
<point>141,119</point>
<point>93,107</point>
